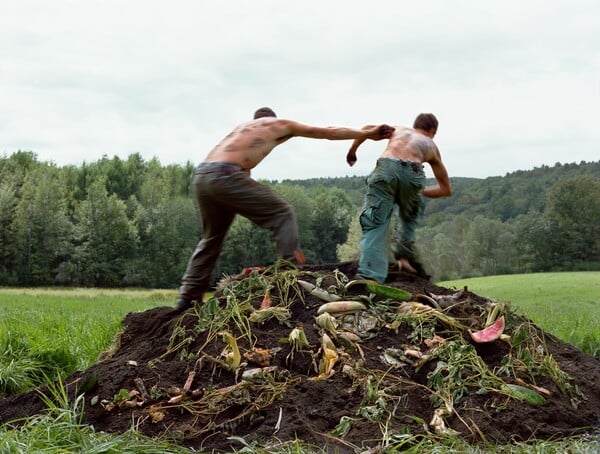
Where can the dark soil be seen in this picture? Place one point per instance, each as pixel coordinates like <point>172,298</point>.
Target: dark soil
<point>218,403</point>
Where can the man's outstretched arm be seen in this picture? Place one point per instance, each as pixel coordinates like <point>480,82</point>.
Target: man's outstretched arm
<point>340,133</point>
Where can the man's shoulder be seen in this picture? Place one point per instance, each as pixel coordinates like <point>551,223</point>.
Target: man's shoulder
<point>402,130</point>
<point>262,124</point>
<point>271,122</point>
<point>423,139</point>
<point>426,147</point>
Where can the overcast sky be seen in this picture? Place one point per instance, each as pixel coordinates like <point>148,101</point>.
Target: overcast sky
<point>515,84</point>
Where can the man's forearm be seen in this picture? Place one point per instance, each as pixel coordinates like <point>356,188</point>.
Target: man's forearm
<point>357,143</point>
<point>434,192</point>
<point>345,133</point>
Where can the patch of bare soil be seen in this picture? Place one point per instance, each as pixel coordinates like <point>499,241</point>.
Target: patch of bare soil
<point>393,366</point>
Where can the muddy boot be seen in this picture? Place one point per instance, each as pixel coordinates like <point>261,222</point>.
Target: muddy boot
<point>184,304</point>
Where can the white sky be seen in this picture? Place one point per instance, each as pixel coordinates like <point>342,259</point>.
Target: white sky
<point>515,84</point>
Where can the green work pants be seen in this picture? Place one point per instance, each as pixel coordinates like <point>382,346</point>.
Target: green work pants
<point>392,182</point>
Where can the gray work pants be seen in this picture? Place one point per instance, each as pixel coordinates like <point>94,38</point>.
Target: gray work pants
<point>223,190</point>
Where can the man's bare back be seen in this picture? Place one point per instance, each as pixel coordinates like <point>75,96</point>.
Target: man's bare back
<point>416,145</point>
<point>410,145</point>
<point>249,143</point>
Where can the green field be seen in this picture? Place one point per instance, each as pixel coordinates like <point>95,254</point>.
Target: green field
<point>50,333</point>
<point>62,330</point>
<point>564,304</point>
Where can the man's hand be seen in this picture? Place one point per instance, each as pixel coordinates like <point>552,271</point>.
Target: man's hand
<point>351,157</point>
<point>380,132</point>
<point>371,132</point>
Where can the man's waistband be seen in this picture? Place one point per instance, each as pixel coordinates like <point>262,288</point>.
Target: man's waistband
<point>218,166</point>
<point>416,167</point>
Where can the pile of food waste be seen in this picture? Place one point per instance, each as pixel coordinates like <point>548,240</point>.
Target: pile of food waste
<point>282,353</point>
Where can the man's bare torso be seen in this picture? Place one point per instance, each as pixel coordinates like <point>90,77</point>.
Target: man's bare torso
<point>249,143</point>
<point>410,145</point>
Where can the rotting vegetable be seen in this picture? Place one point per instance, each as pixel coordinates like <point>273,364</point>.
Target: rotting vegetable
<point>318,292</point>
<point>341,307</point>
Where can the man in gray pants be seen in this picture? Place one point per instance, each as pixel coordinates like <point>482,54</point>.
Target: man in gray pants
<point>223,188</point>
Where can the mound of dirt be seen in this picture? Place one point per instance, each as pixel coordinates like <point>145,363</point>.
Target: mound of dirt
<point>403,367</point>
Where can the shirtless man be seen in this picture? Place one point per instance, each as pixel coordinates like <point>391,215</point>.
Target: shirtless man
<point>223,188</point>
<point>398,179</point>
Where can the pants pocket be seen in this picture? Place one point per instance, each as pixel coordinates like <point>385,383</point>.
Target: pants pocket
<point>375,213</point>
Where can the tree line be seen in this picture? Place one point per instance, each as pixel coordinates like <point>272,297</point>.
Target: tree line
<point>130,222</point>
<point>545,219</point>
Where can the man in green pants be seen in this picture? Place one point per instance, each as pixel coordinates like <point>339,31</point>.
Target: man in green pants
<point>398,179</point>
<point>223,188</point>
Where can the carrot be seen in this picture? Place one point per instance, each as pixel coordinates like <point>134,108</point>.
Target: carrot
<point>266,302</point>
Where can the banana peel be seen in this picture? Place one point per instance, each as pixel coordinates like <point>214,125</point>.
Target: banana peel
<point>232,355</point>
<point>328,360</point>
<point>327,322</point>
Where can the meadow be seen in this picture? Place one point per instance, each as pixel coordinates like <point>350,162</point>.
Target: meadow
<point>62,330</point>
<point>46,334</point>
<point>564,304</point>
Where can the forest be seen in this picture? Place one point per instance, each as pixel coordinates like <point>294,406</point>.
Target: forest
<point>132,223</point>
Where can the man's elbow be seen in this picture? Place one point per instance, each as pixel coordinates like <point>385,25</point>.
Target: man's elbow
<point>447,191</point>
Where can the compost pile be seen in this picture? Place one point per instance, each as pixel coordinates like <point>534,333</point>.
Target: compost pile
<point>264,361</point>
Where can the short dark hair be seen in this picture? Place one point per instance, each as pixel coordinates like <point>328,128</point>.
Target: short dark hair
<point>264,112</point>
<point>426,122</point>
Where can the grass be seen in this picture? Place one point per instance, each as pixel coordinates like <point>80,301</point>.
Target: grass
<point>564,304</point>
<point>61,431</point>
<point>57,331</point>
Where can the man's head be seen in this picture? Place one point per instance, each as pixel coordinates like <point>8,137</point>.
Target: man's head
<point>264,112</point>
<point>427,122</point>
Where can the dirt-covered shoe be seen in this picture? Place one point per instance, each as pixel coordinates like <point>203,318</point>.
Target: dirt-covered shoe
<point>183,304</point>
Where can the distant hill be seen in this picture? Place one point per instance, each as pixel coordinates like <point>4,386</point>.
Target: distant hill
<point>511,195</point>
<point>502,197</point>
